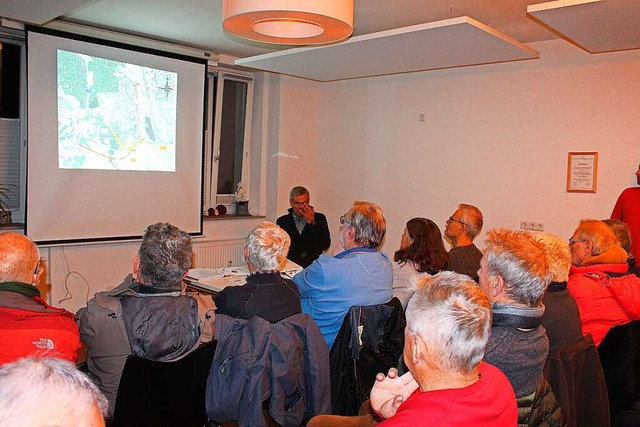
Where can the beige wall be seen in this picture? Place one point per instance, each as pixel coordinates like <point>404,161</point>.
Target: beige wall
<point>496,136</point>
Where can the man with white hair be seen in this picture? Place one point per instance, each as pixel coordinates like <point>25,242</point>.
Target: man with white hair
<point>448,326</point>
<point>28,325</point>
<point>514,273</point>
<point>266,294</point>
<point>358,275</point>
<point>48,392</point>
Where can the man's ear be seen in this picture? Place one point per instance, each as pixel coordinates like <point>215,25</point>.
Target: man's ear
<point>497,285</point>
<point>588,246</point>
<point>136,269</point>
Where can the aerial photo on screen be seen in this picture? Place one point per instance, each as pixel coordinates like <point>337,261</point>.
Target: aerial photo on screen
<point>113,115</point>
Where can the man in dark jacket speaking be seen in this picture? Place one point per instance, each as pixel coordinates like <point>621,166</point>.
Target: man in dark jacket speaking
<point>308,229</point>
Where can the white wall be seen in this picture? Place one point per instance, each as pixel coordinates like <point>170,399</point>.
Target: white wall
<point>496,136</point>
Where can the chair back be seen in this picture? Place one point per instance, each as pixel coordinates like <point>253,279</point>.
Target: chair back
<point>576,377</point>
<point>370,340</point>
<point>164,393</point>
<point>620,357</point>
<point>265,373</point>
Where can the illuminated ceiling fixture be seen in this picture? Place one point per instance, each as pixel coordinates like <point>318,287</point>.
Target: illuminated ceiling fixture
<point>289,22</point>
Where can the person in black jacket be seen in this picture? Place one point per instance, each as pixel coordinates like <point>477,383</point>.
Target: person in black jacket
<point>308,229</point>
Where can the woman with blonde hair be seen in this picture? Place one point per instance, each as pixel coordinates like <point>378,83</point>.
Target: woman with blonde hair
<point>606,294</point>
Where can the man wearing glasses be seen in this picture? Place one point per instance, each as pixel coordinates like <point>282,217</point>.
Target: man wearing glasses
<point>28,325</point>
<point>308,229</point>
<point>356,276</point>
<point>462,227</point>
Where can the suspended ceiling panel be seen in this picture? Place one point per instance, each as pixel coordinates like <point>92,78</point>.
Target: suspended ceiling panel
<point>38,11</point>
<point>456,42</point>
<point>594,25</point>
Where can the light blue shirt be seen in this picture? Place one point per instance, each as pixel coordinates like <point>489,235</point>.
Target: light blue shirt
<point>332,285</point>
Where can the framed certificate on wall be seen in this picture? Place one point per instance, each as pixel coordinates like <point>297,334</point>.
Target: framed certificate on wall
<point>582,172</point>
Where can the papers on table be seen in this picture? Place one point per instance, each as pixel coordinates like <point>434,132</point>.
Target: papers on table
<point>216,279</point>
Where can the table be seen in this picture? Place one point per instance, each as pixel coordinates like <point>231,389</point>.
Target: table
<point>214,280</point>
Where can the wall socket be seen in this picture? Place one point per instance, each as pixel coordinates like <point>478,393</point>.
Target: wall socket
<point>532,225</point>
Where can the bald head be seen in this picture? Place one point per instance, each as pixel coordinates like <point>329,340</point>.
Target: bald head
<point>19,257</point>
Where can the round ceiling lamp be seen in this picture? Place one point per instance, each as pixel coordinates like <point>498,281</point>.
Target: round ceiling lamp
<point>289,22</point>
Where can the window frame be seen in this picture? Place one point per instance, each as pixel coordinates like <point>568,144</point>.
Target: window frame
<point>213,116</point>
<point>9,36</point>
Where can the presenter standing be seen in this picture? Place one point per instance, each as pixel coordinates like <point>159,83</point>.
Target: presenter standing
<point>308,229</point>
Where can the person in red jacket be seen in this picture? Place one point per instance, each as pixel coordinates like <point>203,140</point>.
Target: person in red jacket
<point>599,281</point>
<point>28,325</point>
<point>627,209</point>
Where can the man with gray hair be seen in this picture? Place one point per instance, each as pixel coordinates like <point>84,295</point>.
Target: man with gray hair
<point>359,274</point>
<point>266,294</point>
<point>514,273</point>
<point>307,228</point>
<point>149,314</point>
<point>48,392</point>
<point>460,230</point>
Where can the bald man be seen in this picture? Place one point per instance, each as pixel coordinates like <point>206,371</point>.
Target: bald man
<point>28,325</point>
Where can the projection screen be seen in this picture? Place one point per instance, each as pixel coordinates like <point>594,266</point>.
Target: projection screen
<point>115,139</point>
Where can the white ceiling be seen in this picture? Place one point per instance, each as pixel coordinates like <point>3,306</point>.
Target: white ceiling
<point>594,25</point>
<point>455,42</point>
<point>197,23</point>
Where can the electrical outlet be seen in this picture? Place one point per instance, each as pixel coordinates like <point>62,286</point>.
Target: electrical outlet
<point>422,117</point>
<point>532,225</point>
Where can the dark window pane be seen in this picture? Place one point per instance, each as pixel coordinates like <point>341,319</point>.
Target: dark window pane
<point>231,136</point>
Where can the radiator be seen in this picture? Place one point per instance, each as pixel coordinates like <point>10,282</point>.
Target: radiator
<point>217,254</point>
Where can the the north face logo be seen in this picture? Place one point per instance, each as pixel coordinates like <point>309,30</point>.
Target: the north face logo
<point>44,344</point>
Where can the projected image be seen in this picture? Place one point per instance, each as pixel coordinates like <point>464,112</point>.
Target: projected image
<point>114,115</point>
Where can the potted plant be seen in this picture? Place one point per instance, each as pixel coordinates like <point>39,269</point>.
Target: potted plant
<point>242,199</point>
<point>6,194</point>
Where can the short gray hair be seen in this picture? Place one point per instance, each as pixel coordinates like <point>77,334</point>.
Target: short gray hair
<point>47,391</point>
<point>298,191</point>
<point>165,255</point>
<point>521,262</point>
<point>452,315</point>
<point>268,246</point>
<point>369,223</point>
<point>472,218</point>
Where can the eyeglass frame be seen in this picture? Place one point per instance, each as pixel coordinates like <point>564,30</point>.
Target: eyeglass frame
<point>452,219</point>
<point>572,240</point>
<point>343,220</point>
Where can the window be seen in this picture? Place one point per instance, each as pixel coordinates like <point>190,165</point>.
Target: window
<point>228,124</point>
<point>12,123</point>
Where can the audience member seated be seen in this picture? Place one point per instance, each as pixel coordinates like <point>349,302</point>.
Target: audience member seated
<point>266,294</point>
<point>561,317</point>
<point>358,275</point>
<point>421,253</point>
<point>448,326</point>
<point>149,314</point>
<point>623,234</point>
<point>448,384</point>
<point>48,392</point>
<point>514,273</point>
<point>462,227</point>
<point>603,300</point>
<point>28,325</point>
